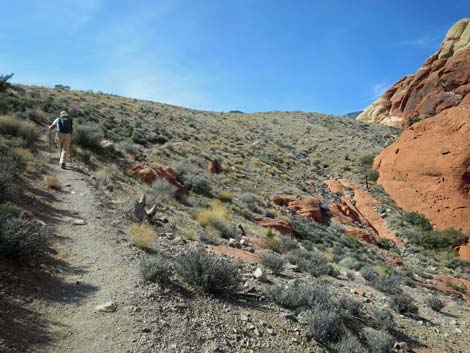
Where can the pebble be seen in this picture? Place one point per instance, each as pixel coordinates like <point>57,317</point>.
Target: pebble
<point>108,307</point>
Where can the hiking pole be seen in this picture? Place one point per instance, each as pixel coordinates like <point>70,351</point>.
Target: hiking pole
<point>50,144</point>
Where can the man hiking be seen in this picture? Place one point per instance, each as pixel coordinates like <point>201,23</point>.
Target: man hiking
<point>64,128</point>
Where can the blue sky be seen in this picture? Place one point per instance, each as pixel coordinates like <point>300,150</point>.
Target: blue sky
<point>331,56</point>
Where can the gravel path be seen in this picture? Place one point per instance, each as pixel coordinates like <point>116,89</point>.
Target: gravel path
<point>100,268</point>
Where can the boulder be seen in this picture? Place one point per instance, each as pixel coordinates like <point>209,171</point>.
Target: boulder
<point>281,226</point>
<point>260,275</point>
<point>308,206</point>
<point>148,175</point>
<point>441,83</point>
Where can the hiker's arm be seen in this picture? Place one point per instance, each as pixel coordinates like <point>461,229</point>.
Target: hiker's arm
<point>53,125</point>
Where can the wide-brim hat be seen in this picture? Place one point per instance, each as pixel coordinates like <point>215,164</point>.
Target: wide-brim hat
<point>63,114</point>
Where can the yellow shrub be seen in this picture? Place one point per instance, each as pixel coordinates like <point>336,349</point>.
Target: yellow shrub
<point>52,182</point>
<point>215,211</point>
<point>226,181</point>
<point>226,196</point>
<point>142,236</point>
<point>27,156</point>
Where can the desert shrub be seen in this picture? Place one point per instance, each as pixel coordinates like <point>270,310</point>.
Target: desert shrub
<point>273,261</point>
<point>25,130</point>
<point>208,272</point>
<point>226,196</point>
<point>312,262</point>
<point>417,220</point>
<point>368,273</point>
<point>128,147</point>
<point>164,189</point>
<point>8,210</point>
<point>350,344</point>
<point>388,283</point>
<point>435,303</point>
<point>366,161</point>
<point>287,244</point>
<point>325,323</point>
<point>386,244</point>
<point>214,211</point>
<point>225,230</point>
<point>403,304</point>
<point>379,341</point>
<point>52,182</point>
<point>4,84</point>
<point>372,175</point>
<point>142,236</point>
<point>249,199</point>
<point>298,295</point>
<point>440,239</point>
<point>351,263</point>
<point>206,238</point>
<point>8,189</point>
<point>156,269</point>
<point>88,136</point>
<point>382,319</point>
<point>198,185</point>
<point>21,237</point>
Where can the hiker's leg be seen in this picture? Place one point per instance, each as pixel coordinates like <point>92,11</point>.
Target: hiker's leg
<point>67,144</point>
<point>61,139</point>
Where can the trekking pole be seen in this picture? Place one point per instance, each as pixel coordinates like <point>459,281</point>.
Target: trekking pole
<point>50,144</point>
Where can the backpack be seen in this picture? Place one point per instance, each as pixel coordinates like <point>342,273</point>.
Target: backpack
<point>65,125</point>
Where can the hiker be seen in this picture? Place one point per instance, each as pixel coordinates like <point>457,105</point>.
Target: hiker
<point>64,130</point>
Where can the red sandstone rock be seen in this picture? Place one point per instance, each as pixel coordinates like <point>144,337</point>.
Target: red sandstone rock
<point>463,252</point>
<point>441,83</point>
<point>427,170</point>
<point>307,206</point>
<point>214,166</point>
<point>281,226</point>
<point>362,234</point>
<point>148,175</point>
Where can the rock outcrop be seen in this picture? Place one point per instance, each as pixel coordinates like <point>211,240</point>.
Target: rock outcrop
<point>427,169</point>
<point>282,227</point>
<point>307,206</point>
<point>148,175</point>
<point>441,83</point>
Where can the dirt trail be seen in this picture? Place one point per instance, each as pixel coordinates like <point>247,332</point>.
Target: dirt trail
<point>100,268</point>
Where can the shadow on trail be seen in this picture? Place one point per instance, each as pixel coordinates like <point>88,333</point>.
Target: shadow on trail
<point>22,286</point>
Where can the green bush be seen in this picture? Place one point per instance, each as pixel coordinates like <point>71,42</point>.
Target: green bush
<point>165,189</point>
<point>12,127</point>
<point>20,237</point>
<point>435,303</point>
<point>208,272</point>
<point>350,344</point>
<point>198,185</point>
<point>156,269</point>
<point>379,341</point>
<point>88,136</point>
<point>312,262</point>
<point>417,220</point>
<point>438,239</point>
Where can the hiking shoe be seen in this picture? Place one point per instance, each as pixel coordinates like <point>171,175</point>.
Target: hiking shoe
<point>63,165</point>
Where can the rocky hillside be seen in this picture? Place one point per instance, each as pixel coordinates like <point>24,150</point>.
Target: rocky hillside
<point>177,230</point>
<point>441,83</point>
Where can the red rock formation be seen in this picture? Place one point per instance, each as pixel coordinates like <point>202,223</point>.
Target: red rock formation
<point>427,169</point>
<point>281,226</point>
<point>362,234</point>
<point>463,252</point>
<point>307,206</point>
<point>214,166</point>
<point>148,175</point>
<point>442,82</point>
<point>236,253</point>
<point>364,209</point>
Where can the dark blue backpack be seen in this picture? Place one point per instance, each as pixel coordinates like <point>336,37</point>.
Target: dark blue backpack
<point>65,125</point>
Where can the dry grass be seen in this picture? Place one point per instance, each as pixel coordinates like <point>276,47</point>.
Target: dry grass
<point>215,212</point>
<point>52,182</point>
<point>142,236</point>
<point>226,196</point>
<point>27,156</point>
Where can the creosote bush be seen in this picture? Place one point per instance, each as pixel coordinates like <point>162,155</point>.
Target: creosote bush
<point>378,341</point>
<point>208,272</point>
<point>350,344</point>
<point>198,185</point>
<point>156,269</point>
<point>165,189</point>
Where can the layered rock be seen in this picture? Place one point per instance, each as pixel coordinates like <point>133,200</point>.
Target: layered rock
<point>307,206</point>
<point>441,83</point>
<point>427,169</point>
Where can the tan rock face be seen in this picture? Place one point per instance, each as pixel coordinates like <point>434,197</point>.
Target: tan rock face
<point>427,169</point>
<point>441,83</point>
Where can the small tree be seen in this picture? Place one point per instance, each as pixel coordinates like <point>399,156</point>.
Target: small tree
<point>4,84</point>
